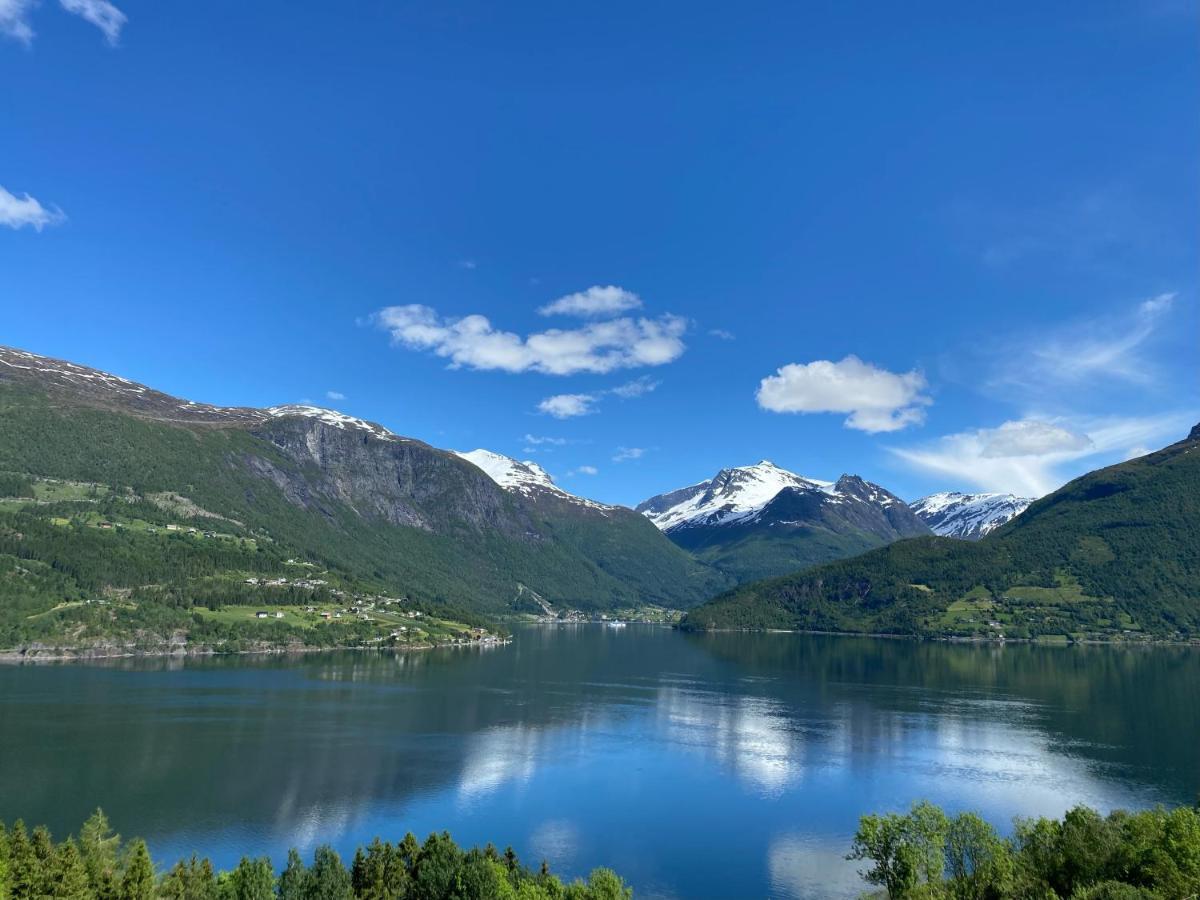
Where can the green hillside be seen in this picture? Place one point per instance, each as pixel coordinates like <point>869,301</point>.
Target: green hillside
<point>122,520</point>
<point>1114,553</point>
<point>748,553</point>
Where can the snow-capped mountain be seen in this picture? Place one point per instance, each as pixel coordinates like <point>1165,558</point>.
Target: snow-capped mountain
<point>762,520</point>
<point>526,478</point>
<point>734,495</point>
<point>968,516</point>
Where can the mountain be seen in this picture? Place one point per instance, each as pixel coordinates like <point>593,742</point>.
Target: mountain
<point>757,521</point>
<point>968,516</point>
<point>526,479</point>
<point>294,482</point>
<point>1113,553</point>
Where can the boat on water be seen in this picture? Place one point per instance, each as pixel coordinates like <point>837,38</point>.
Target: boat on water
<point>615,624</point>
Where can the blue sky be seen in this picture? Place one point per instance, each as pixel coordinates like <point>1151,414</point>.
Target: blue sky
<point>940,245</point>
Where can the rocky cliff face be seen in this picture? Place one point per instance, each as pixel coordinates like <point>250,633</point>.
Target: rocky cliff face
<point>399,481</point>
<point>347,490</point>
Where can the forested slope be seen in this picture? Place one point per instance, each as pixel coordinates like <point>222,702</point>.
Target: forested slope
<point>1115,552</point>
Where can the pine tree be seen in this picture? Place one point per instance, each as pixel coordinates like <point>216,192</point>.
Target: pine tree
<point>22,865</point>
<point>330,880</point>
<point>43,861</point>
<point>137,883</point>
<point>70,878</point>
<point>100,849</point>
<point>253,879</point>
<point>293,881</point>
<point>191,880</point>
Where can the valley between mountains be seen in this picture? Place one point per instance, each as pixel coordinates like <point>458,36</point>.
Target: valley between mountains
<point>133,521</point>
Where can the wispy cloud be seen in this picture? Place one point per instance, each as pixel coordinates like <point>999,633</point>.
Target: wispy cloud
<point>1100,349</point>
<point>568,406</point>
<point>877,400</point>
<point>100,13</point>
<point>1091,229</point>
<point>468,264</point>
<point>537,440</point>
<point>624,454</point>
<point>334,395</point>
<point>565,406</point>
<point>583,470</point>
<point>722,334</point>
<point>596,301</point>
<point>598,347</point>
<point>637,388</point>
<point>1031,456</point>
<point>26,211</point>
<point>14,20</point>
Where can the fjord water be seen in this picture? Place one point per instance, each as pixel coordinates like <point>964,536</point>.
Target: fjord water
<point>696,765</point>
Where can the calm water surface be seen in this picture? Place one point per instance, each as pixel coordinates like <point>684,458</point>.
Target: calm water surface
<point>697,766</point>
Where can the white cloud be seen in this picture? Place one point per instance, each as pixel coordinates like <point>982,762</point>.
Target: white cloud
<point>598,347</point>
<point>567,406</point>
<point>1135,452</point>
<point>100,13</point>
<point>1032,437</point>
<point>627,453</point>
<point>468,264</point>
<point>595,301</point>
<point>876,399</point>
<point>722,334</point>
<point>636,388</point>
<point>1030,456</point>
<point>14,20</point>
<point>17,212</point>
<point>537,441</point>
<point>584,470</point>
<point>334,395</point>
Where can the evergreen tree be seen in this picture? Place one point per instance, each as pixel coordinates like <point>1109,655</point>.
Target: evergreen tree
<point>190,880</point>
<point>293,881</point>
<point>329,879</point>
<point>100,848</point>
<point>70,881</point>
<point>5,869</point>
<point>22,865</point>
<point>137,881</point>
<point>43,861</point>
<point>436,867</point>
<point>253,879</point>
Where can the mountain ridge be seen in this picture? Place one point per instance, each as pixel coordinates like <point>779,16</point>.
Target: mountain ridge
<point>1112,554</point>
<point>762,520</point>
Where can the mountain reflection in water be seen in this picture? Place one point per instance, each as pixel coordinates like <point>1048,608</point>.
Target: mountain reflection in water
<point>639,748</point>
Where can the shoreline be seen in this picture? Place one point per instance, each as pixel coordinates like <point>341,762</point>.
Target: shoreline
<point>24,656</point>
<point>948,639</point>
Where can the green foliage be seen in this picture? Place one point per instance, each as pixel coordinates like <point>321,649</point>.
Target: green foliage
<point>15,485</point>
<point>1125,855</point>
<point>108,484</point>
<point>137,882</point>
<point>99,867</point>
<point>1115,553</point>
<point>906,851</point>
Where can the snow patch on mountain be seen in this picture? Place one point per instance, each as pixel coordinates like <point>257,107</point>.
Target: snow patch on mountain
<point>968,516</point>
<point>526,478</point>
<point>332,417</point>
